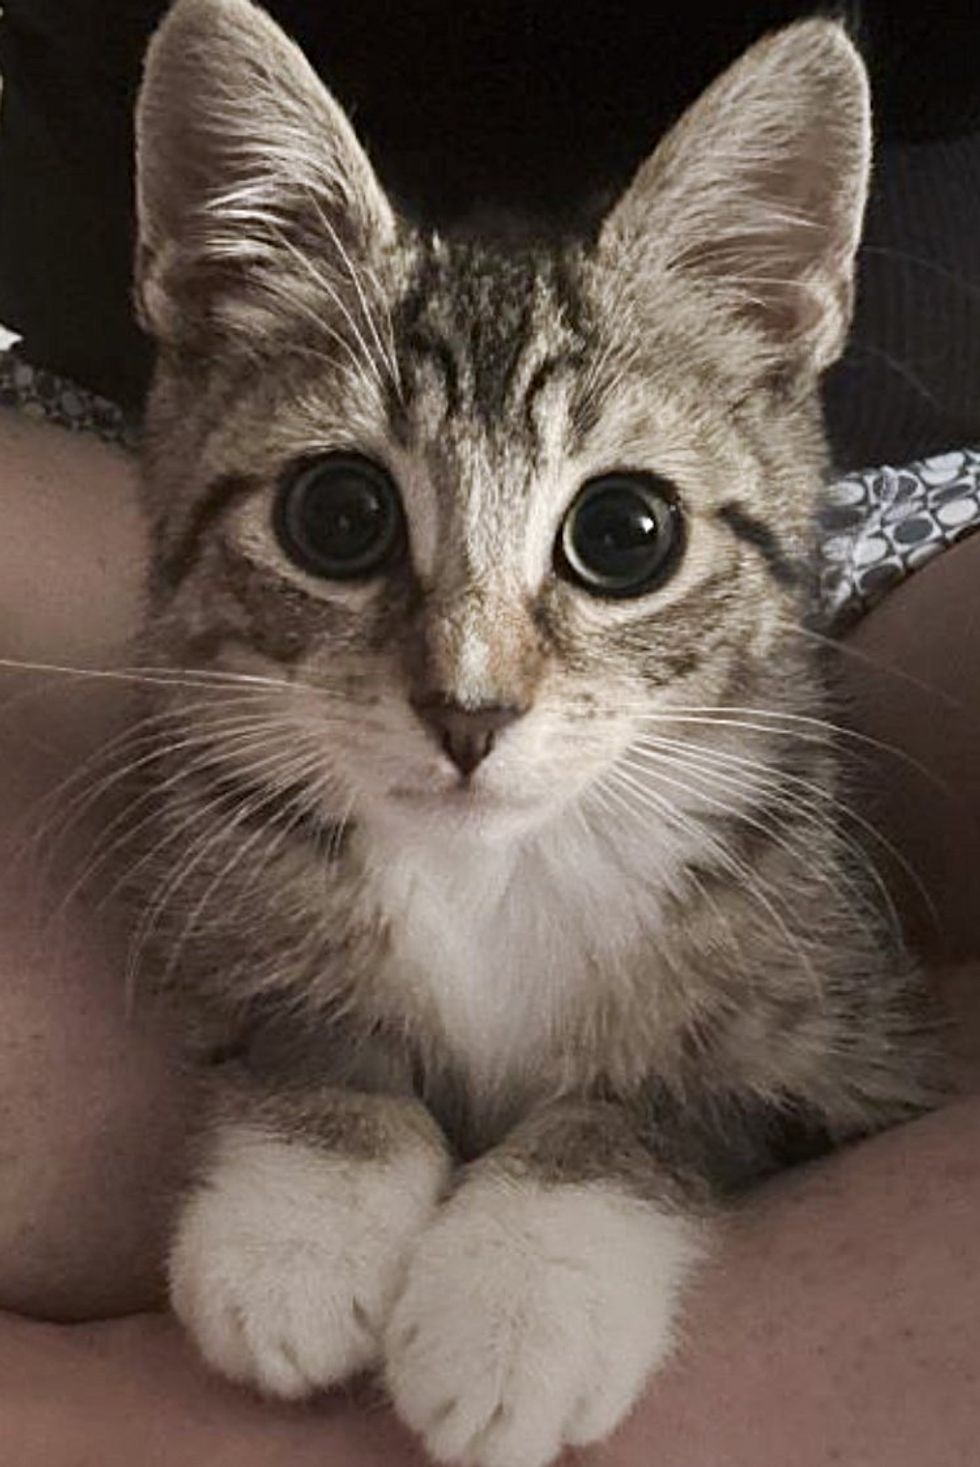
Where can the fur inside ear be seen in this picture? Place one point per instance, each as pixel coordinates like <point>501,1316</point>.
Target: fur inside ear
<point>757,195</point>
<point>244,160</point>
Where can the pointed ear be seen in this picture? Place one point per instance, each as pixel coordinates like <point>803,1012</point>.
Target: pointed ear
<point>757,195</point>
<point>243,161</point>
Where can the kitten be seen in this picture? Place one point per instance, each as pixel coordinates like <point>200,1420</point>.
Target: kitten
<point>494,837</point>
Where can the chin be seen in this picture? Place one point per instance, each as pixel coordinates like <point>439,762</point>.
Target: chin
<point>464,807</point>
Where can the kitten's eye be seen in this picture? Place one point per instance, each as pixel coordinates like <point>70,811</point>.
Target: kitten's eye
<point>621,536</point>
<point>340,517</point>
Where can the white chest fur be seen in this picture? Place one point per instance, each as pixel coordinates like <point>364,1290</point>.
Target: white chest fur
<point>506,943</point>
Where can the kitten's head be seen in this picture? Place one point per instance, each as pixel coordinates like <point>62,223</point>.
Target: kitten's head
<point>490,507</point>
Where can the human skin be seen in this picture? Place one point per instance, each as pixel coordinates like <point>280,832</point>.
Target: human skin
<point>840,1318</point>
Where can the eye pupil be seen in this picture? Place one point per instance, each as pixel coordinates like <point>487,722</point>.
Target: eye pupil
<point>340,517</point>
<point>621,535</point>
<point>617,525</point>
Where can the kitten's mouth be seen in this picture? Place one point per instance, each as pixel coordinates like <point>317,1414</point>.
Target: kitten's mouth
<point>462,797</point>
<point>462,792</point>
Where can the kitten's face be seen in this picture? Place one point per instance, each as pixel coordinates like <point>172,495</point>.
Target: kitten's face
<point>492,511</point>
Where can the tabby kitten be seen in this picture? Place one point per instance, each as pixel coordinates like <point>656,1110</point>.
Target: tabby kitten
<point>494,838</point>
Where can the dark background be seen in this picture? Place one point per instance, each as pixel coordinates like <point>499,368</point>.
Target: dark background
<point>540,106</point>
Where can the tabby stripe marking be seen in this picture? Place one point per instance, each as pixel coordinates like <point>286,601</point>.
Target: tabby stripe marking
<point>547,371</point>
<point>426,344</point>
<point>782,567</point>
<point>216,500</point>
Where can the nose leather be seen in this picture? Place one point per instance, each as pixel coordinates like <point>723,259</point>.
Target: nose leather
<point>466,735</point>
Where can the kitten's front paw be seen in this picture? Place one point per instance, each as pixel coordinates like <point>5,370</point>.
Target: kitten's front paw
<point>287,1257</point>
<point>532,1317</point>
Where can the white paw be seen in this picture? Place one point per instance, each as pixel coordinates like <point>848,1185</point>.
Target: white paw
<point>532,1317</point>
<point>287,1258</point>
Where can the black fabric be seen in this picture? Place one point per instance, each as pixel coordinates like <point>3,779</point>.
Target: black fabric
<point>909,383</point>
<point>540,106</point>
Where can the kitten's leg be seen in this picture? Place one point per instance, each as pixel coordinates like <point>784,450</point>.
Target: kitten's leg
<point>545,1293</point>
<point>291,1246</point>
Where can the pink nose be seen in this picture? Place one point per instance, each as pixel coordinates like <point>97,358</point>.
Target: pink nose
<point>466,735</point>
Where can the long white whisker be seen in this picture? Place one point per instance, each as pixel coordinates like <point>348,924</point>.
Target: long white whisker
<point>299,770</point>
<point>252,738</point>
<point>670,812</point>
<point>155,676</point>
<point>845,649</point>
<point>77,806</point>
<point>387,352</point>
<point>237,737</point>
<point>199,853</point>
<point>731,862</point>
<point>325,284</point>
<point>810,807</point>
<point>812,817</point>
<point>707,717</point>
<point>332,850</point>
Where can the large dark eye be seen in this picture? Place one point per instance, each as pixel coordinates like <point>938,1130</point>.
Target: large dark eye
<point>622,535</point>
<point>340,517</point>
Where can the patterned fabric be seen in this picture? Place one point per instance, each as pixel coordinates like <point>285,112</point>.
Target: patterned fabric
<point>877,526</point>
<point>42,394</point>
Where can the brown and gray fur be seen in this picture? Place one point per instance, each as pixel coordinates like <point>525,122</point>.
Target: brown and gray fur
<point>607,958</point>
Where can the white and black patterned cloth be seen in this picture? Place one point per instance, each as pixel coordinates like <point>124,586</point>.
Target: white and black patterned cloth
<point>877,525</point>
<point>44,395</point>
<point>881,524</point>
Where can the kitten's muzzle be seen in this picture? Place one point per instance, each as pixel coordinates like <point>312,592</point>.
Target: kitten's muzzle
<point>465,735</point>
